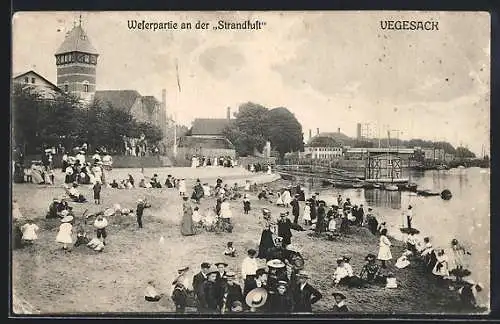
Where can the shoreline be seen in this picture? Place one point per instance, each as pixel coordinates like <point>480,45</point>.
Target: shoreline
<point>123,261</point>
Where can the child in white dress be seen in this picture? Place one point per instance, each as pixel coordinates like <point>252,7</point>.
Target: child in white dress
<point>384,252</point>
<point>29,232</point>
<point>65,230</point>
<point>307,214</point>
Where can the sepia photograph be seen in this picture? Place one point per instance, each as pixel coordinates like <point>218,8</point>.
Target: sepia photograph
<point>234,163</point>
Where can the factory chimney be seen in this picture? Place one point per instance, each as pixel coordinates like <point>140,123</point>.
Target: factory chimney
<point>228,116</point>
<point>317,131</point>
<point>358,131</point>
<point>310,134</point>
<point>338,130</point>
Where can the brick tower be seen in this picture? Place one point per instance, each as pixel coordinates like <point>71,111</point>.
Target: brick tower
<point>76,61</point>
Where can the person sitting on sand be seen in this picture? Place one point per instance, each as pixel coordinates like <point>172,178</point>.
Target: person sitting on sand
<point>144,184</point>
<point>230,250</point>
<point>468,294</point>
<point>343,275</point>
<point>96,245</point>
<point>169,182</point>
<point>114,184</point>
<point>371,271</point>
<point>152,294</point>
<point>29,232</point>
<point>74,194</point>
<point>411,243</point>
<point>154,182</point>
<point>81,237</point>
<point>441,270</point>
<point>197,217</point>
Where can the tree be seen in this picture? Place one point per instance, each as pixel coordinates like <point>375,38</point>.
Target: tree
<point>463,152</point>
<point>284,131</point>
<point>323,141</point>
<point>248,132</point>
<point>152,132</point>
<point>364,143</point>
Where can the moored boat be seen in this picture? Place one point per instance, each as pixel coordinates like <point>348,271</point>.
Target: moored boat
<point>427,193</point>
<point>391,187</point>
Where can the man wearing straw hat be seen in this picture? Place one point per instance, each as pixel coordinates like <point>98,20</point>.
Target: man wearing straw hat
<point>231,293</point>
<point>304,295</point>
<point>277,272</point>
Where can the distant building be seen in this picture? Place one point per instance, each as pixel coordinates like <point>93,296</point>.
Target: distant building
<point>434,154</point>
<point>358,131</point>
<point>314,152</point>
<point>39,84</point>
<point>143,108</point>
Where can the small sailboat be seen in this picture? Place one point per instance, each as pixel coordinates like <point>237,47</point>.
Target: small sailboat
<point>390,187</point>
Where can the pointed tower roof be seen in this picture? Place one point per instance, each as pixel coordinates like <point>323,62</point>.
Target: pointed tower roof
<point>76,41</point>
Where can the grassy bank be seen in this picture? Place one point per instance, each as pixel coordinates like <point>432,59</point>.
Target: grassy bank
<point>114,280</point>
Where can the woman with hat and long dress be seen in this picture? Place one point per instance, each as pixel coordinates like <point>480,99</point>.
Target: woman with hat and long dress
<point>187,218</point>
<point>266,237</point>
<point>65,231</point>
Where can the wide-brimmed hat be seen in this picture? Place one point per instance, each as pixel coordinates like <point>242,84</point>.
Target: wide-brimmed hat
<point>140,201</point>
<point>256,297</point>
<point>340,260</point>
<point>370,256</point>
<point>266,211</point>
<point>303,274</point>
<point>125,211</point>
<point>340,295</point>
<point>186,268</point>
<point>230,275</point>
<point>212,270</point>
<point>67,219</point>
<point>64,213</point>
<point>224,263</point>
<point>109,212</point>
<point>276,263</point>
<point>282,283</point>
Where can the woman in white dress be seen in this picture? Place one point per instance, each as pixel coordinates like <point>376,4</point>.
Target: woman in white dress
<point>307,214</point>
<point>65,230</point>
<point>279,201</point>
<point>225,211</point>
<point>182,187</point>
<point>384,252</point>
<point>286,198</point>
<point>29,232</point>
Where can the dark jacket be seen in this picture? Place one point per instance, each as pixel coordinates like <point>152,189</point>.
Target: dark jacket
<point>234,293</point>
<point>295,207</point>
<point>280,304</point>
<point>179,297</point>
<point>252,284</point>
<point>341,309</point>
<point>284,230</point>
<point>209,297</point>
<point>303,299</point>
<point>198,280</point>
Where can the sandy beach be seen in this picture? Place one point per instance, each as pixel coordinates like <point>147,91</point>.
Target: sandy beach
<point>53,281</point>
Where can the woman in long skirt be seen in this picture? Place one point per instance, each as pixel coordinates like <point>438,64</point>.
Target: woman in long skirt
<point>187,218</point>
<point>384,252</point>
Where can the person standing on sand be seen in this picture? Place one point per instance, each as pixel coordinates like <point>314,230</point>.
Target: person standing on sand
<point>65,230</point>
<point>384,252</point>
<point>97,192</point>
<point>187,218</point>
<point>295,209</point>
<point>304,295</point>
<point>182,187</point>
<point>409,216</point>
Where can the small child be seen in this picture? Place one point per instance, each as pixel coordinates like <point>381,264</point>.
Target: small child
<point>246,204</point>
<point>51,176</point>
<point>29,232</point>
<point>100,225</point>
<point>27,173</point>
<point>97,192</point>
<point>81,237</point>
<point>230,250</point>
<point>196,215</point>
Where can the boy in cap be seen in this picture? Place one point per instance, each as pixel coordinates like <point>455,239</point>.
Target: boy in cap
<point>141,205</point>
<point>97,192</point>
<point>340,306</point>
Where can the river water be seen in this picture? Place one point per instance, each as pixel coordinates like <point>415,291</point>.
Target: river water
<point>466,216</point>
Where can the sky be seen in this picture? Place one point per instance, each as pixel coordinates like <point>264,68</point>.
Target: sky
<point>331,69</point>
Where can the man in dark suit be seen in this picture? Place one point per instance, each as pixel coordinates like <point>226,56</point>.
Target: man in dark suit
<point>210,298</point>
<point>231,294</point>
<point>199,278</point>
<point>295,209</point>
<point>304,295</point>
<point>284,229</point>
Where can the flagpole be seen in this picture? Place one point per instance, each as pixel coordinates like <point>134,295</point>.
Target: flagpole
<point>178,100</point>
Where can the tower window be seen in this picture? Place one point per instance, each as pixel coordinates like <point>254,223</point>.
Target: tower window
<point>85,86</point>
<point>66,88</point>
<point>33,80</point>
<point>26,80</point>
<point>87,59</point>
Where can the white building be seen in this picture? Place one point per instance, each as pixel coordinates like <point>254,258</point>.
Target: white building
<point>314,152</point>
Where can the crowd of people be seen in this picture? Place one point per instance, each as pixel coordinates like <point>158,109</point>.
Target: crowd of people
<point>206,161</point>
<point>282,286</point>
